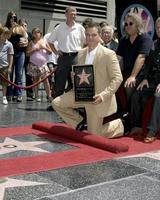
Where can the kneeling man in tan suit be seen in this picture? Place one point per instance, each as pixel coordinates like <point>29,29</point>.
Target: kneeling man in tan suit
<point>107,77</point>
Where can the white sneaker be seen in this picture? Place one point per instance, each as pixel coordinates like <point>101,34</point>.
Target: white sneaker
<point>5,102</point>
<point>38,99</point>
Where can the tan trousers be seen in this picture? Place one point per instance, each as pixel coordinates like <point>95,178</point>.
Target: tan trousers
<point>64,105</point>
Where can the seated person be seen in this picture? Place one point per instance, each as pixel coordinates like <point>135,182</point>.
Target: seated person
<point>154,123</point>
<point>150,81</point>
<point>133,48</point>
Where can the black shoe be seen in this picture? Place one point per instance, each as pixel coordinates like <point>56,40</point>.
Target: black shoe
<point>126,123</point>
<point>50,108</point>
<point>9,98</point>
<point>82,125</point>
<point>29,98</point>
<point>14,98</point>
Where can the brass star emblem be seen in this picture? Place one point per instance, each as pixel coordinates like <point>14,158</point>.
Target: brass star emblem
<point>83,77</point>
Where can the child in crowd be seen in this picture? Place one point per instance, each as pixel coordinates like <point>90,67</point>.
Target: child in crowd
<point>38,50</point>
<point>6,59</point>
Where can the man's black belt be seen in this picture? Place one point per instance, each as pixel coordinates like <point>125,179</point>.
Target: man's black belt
<point>69,54</point>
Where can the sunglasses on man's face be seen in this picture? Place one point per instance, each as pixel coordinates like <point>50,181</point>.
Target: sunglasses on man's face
<point>128,24</point>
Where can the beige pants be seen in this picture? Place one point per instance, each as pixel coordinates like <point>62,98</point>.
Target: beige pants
<point>64,105</point>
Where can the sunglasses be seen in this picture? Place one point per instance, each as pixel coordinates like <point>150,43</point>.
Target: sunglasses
<point>128,24</point>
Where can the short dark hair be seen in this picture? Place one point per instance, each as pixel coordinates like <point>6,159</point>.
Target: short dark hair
<point>103,23</point>
<point>87,21</point>
<point>94,24</point>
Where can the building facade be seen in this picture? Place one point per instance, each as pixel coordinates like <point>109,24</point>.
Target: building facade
<point>46,13</point>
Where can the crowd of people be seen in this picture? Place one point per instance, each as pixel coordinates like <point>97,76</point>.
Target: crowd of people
<point>132,63</point>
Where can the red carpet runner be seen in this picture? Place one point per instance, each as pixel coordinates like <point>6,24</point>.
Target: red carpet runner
<point>83,137</point>
<point>82,155</point>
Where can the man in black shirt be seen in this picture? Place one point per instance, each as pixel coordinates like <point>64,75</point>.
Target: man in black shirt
<point>148,87</point>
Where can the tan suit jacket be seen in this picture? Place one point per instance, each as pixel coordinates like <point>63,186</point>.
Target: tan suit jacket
<point>108,78</point>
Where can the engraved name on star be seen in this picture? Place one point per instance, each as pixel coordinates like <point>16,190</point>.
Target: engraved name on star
<point>83,77</point>
<point>5,147</point>
<point>10,183</point>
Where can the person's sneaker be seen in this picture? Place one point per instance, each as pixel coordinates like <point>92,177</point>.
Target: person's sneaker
<point>38,99</point>
<point>9,98</point>
<point>19,99</point>
<point>5,102</point>
<point>29,98</point>
<point>14,98</point>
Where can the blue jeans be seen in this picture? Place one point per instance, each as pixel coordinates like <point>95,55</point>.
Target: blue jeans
<point>17,72</point>
<point>154,123</point>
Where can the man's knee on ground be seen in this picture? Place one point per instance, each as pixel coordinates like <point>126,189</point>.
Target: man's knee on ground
<point>115,129</point>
